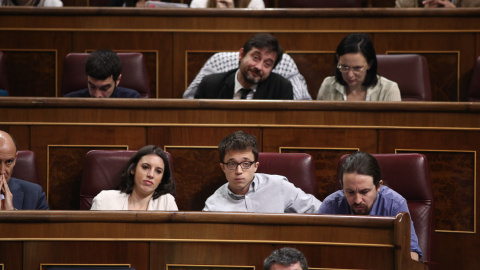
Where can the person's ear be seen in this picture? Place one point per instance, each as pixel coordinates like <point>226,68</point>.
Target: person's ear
<point>380,183</point>
<point>118,80</point>
<point>241,54</point>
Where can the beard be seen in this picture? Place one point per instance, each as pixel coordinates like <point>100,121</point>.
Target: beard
<point>360,211</point>
<point>251,79</point>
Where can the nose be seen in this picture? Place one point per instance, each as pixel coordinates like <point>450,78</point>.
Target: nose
<point>238,169</point>
<point>150,173</point>
<point>357,198</point>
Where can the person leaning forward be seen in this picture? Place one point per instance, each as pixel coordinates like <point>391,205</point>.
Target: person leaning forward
<point>363,193</point>
<point>16,194</point>
<point>253,79</point>
<point>248,191</point>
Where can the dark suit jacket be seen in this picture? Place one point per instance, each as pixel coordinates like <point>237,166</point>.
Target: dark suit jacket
<point>221,85</point>
<point>120,92</point>
<point>27,195</point>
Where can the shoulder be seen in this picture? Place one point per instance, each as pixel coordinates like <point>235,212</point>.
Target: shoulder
<point>123,92</point>
<point>386,83</point>
<point>165,202</point>
<point>219,76</point>
<point>390,194</point>
<point>79,93</point>
<point>335,203</point>
<point>220,193</point>
<point>110,195</point>
<point>256,4</point>
<point>198,3</point>
<point>275,77</point>
<point>25,185</point>
<point>53,3</point>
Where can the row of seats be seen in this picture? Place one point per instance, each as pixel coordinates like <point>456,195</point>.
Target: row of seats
<point>408,174</point>
<point>410,71</point>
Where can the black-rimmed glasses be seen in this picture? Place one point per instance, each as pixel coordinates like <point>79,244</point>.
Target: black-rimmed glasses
<point>232,165</point>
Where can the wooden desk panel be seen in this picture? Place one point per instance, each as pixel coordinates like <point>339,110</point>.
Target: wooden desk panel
<point>447,37</point>
<point>191,129</point>
<point>157,239</point>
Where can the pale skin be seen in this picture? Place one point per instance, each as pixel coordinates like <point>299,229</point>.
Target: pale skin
<point>148,175</point>
<point>255,66</point>
<point>8,156</point>
<point>354,80</point>
<point>239,180</point>
<point>102,88</point>
<point>293,266</point>
<point>361,193</point>
<point>438,3</point>
<point>225,4</point>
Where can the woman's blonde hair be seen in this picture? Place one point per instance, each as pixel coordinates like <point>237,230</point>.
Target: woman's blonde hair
<point>237,3</point>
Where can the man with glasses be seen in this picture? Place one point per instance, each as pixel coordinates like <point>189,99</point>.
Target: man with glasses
<point>247,191</point>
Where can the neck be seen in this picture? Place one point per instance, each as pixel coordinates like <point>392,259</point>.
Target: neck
<point>242,81</point>
<point>138,201</point>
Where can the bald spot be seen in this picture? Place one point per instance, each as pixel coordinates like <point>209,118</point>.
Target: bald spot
<point>7,146</point>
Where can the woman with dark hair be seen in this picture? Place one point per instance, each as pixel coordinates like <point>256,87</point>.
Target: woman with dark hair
<point>146,184</point>
<point>227,4</point>
<point>356,75</point>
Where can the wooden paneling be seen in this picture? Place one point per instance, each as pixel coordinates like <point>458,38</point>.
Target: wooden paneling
<point>65,167</point>
<point>154,240</point>
<point>310,35</point>
<point>447,132</point>
<point>74,137</point>
<point>94,253</point>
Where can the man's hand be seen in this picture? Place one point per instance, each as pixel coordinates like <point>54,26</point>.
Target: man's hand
<point>225,4</point>
<point>7,203</point>
<point>438,3</point>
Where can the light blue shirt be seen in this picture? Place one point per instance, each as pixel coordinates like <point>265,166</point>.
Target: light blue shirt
<point>388,203</point>
<point>267,194</point>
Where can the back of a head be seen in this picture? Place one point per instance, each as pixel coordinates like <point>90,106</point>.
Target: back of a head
<point>285,256</point>
<point>358,43</point>
<point>264,41</point>
<point>238,141</point>
<point>102,64</point>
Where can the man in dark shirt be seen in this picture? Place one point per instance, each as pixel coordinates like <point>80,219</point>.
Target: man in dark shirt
<point>253,79</point>
<point>103,70</point>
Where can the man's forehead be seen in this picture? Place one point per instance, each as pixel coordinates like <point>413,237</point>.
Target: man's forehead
<point>263,51</point>
<point>243,154</point>
<point>107,81</point>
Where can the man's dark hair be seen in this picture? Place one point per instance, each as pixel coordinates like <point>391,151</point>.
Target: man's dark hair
<point>285,256</point>
<point>238,141</point>
<point>102,64</point>
<point>264,41</point>
<point>127,181</point>
<point>362,163</point>
<point>358,43</point>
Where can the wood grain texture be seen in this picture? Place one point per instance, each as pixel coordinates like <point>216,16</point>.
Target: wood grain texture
<point>174,33</point>
<point>153,240</point>
<point>448,131</point>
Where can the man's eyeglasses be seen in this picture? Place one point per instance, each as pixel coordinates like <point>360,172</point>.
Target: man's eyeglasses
<point>232,165</point>
<point>346,69</point>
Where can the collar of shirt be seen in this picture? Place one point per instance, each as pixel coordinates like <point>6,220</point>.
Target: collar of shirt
<point>342,89</point>
<point>253,186</point>
<point>238,86</point>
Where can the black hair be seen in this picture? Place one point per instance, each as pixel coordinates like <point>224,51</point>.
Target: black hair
<point>264,41</point>
<point>128,179</point>
<point>358,43</point>
<point>285,256</point>
<point>102,64</point>
<point>362,163</point>
<point>238,140</point>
